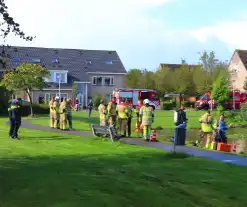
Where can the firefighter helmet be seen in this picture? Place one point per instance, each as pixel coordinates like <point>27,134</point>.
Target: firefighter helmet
<point>146,101</point>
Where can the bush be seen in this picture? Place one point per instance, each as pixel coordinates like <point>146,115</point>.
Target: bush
<point>96,100</point>
<point>243,110</point>
<point>188,104</point>
<point>37,109</point>
<point>167,105</point>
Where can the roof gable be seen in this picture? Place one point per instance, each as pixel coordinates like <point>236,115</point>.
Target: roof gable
<point>243,56</point>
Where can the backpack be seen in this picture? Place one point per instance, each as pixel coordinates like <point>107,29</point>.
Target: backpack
<point>179,117</point>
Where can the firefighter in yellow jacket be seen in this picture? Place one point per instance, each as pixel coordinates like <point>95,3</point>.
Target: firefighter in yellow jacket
<point>102,113</point>
<point>63,115</point>
<point>52,115</point>
<point>146,117</point>
<point>206,127</point>
<point>112,112</point>
<point>122,110</point>
<point>56,112</point>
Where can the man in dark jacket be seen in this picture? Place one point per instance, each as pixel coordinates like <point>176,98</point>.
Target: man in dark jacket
<point>15,118</point>
<point>180,116</point>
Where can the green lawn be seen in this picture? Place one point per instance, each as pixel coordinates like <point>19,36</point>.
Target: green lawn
<point>58,170</point>
<point>163,119</point>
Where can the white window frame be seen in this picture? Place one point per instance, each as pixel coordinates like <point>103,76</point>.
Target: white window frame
<point>95,84</point>
<point>65,74</point>
<point>47,101</point>
<point>111,80</point>
<point>67,95</point>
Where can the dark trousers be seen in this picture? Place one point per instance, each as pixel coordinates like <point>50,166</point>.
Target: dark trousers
<point>14,128</point>
<point>69,119</point>
<point>129,126</point>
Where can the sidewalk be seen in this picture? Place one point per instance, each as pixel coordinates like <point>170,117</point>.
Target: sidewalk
<point>212,155</point>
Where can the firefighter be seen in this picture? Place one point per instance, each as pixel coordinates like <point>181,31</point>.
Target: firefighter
<point>122,111</point>
<point>63,114</point>
<point>112,112</point>
<point>138,123</point>
<point>102,113</point>
<point>69,109</point>
<point>129,114</point>
<point>15,119</point>
<point>146,117</point>
<point>52,112</point>
<point>56,113</point>
<point>206,127</point>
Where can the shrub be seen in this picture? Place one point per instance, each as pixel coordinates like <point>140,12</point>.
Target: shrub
<point>243,110</point>
<point>96,100</point>
<point>188,104</point>
<point>167,105</point>
<point>37,109</point>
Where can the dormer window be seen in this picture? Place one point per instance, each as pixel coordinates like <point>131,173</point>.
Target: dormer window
<point>16,59</point>
<point>55,60</point>
<point>108,62</point>
<point>88,62</point>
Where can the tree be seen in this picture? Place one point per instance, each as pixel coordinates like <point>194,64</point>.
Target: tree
<point>133,78</point>
<point>9,25</point>
<point>26,77</point>
<point>220,92</point>
<point>147,80</point>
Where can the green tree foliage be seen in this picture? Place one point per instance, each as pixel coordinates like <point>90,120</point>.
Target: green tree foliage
<point>9,25</point>
<point>26,77</point>
<point>220,91</point>
<point>133,78</point>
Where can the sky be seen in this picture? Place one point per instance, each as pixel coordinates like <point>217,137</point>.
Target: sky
<point>145,33</point>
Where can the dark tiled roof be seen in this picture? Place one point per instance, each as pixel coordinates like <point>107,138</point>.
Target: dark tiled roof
<point>174,66</point>
<point>72,60</point>
<point>243,56</point>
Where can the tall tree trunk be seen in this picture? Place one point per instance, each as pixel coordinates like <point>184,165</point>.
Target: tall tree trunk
<point>30,102</point>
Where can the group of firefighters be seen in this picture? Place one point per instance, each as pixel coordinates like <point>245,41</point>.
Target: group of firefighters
<point>60,113</point>
<point>123,113</point>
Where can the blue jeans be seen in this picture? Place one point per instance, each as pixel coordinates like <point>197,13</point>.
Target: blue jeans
<point>89,113</point>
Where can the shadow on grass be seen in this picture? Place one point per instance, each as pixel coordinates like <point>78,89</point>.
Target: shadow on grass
<point>45,138</point>
<point>134,179</point>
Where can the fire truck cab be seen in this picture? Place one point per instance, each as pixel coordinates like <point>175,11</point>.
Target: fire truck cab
<point>134,95</point>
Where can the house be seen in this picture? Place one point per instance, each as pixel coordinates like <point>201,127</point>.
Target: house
<point>175,66</point>
<point>91,71</point>
<point>238,69</point>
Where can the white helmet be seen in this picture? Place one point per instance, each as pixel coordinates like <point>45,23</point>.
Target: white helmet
<point>57,98</point>
<point>146,101</point>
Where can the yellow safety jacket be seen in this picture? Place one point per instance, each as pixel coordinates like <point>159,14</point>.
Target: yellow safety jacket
<point>51,104</point>
<point>122,110</point>
<point>62,108</point>
<point>56,107</point>
<point>102,111</point>
<point>146,116</point>
<point>112,109</point>
<point>206,123</point>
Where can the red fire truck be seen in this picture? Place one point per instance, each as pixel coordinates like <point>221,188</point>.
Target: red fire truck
<point>133,95</point>
<point>205,101</point>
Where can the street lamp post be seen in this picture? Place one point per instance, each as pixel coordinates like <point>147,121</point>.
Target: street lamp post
<point>59,86</point>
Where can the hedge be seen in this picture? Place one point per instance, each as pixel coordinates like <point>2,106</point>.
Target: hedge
<point>167,105</point>
<point>37,109</point>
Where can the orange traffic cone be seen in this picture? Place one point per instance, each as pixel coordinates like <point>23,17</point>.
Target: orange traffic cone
<point>137,128</point>
<point>153,135</point>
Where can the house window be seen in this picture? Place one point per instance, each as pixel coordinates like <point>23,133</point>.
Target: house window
<point>88,62</point>
<point>108,81</point>
<point>62,77</point>
<point>97,80</point>
<point>108,62</point>
<point>34,60</point>
<point>16,59</point>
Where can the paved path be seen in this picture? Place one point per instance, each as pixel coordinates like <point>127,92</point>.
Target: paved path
<point>28,125</point>
<point>212,155</point>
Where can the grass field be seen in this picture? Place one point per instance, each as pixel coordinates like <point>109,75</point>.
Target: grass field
<point>58,170</point>
<point>163,119</point>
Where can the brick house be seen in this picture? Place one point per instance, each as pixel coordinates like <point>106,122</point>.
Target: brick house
<point>93,71</point>
<point>238,69</point>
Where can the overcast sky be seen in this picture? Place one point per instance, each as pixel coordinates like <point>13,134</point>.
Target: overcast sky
<point>143,32</point>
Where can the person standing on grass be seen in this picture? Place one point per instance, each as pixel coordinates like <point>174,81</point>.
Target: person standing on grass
<point>129,114</point>
<point>138,123</point>
<point>52,112</point>
<point>206,127</point>
<point>90,108</point>
<point>122,111</point>
<point>63,115</point>
<point>180,116</point>
<point>15,119</point>
<point>69,108</point>
<point>102,113</point>
<point>112,112</point>
<point>146,117</point>
<point>56,113</point>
